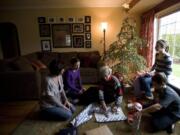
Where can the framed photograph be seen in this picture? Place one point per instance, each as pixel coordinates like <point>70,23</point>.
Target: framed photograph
<point>87,28</point>
<point>78,41</point>
<point>41,19</point>
<point>80,19</point>
<point>87,19</point>
<point>61,35</point>
<point>70,19</point>
<point>88,44</point>
<point>77,27</point>
<point>45,45</point>
<point>88,36</point>
<point>51,19</point>
<point>60,19</point>
<point>44,30</point>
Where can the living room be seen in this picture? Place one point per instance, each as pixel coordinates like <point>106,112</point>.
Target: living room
<point>28,17</point>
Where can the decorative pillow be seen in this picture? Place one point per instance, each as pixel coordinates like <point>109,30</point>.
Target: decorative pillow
<point>85,59</point>
<point>22,64</point>
<point>94,59</point>
<point>89,59</point>
<point>37,64</point>
<point>65,57</point>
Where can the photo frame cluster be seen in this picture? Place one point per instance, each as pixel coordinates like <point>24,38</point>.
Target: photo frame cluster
<point>60,32</point>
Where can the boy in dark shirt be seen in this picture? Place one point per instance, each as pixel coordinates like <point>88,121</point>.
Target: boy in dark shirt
<point>167,110</point>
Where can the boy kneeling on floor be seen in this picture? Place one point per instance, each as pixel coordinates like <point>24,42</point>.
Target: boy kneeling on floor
<point>166,112</point>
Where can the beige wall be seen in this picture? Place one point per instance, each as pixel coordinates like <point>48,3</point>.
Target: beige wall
<point>27,25</point>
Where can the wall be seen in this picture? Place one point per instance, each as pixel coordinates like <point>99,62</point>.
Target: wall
<point>27,25</point>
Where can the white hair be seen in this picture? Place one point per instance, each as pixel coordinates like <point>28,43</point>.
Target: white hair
<point>105,71</point>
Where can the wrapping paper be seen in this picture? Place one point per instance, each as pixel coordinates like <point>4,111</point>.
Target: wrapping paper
<point>83,117</point>
<point>100,115</point>
<point>110,116</point>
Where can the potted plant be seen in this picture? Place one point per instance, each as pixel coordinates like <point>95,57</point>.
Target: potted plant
<point>122,55</point>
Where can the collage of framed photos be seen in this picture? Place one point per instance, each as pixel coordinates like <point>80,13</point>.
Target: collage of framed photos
<point>65,32</point>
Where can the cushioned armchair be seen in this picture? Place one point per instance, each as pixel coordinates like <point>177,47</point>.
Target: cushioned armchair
<point>20,85</point>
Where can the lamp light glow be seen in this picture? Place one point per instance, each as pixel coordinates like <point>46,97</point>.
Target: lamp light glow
<point>104,26</point>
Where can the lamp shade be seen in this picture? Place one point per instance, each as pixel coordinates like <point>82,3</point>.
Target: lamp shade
<point>104,25</point>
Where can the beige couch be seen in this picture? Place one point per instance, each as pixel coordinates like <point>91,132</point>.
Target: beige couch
<point>21,78</point>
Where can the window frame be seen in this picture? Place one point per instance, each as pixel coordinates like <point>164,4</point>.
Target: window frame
<point>173,81</point>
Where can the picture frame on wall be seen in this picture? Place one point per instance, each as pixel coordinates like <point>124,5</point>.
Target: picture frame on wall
<point>78,41</point>
<point>87,19</point>
<point>77,27</point>
<point>41,19</point>
<point>88,36</point>
<point>61,35</point>
<point>60,19</point>
<point>46,45</point>
<point>51,19</point>
<point>88,44</point>
<point>87,28</point>
<point>80,19</point>
<point>70,19</point>
<point>44,30</point>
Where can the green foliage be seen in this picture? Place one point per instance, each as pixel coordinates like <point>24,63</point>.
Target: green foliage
<point>174,44</point>
<point>124,51</point>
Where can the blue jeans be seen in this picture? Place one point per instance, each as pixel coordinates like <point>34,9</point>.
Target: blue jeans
<point>146,84</point>
<point>57,113</point>
<point>162,119</point>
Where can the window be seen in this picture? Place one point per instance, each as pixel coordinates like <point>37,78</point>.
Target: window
<point>169,30</point>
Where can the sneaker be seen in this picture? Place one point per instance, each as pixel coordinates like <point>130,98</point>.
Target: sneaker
<point>170,129</point>
<point>150,97</point>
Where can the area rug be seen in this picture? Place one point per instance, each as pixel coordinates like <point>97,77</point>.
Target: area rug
<point>33,125</point>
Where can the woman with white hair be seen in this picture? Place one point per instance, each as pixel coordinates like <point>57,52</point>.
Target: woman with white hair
<point>110,89</point>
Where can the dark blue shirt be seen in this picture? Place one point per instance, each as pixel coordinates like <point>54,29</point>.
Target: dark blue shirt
<point>170,100</point>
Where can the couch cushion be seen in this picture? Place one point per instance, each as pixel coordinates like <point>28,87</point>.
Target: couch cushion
<point>32,56</point>
<point>22,64</point>
<point>89,59</point>
<point>65,57</point>
<point>47,57</point>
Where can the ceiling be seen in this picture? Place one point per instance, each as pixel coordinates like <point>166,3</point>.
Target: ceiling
<point>141,6</point>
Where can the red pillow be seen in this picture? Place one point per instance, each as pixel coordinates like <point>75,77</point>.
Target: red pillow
<point>37,64</point>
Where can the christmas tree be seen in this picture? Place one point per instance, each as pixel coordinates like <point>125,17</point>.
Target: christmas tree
<point>122,54</point>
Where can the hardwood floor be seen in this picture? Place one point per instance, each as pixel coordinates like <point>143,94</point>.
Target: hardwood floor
<point>13,113</point>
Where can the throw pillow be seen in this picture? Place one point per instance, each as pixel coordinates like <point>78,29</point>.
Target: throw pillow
<point>37,64</point>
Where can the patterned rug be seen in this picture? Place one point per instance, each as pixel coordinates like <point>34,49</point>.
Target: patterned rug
<point>34,126</point>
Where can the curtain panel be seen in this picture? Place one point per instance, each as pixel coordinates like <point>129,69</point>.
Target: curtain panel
<point>147,33</point>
